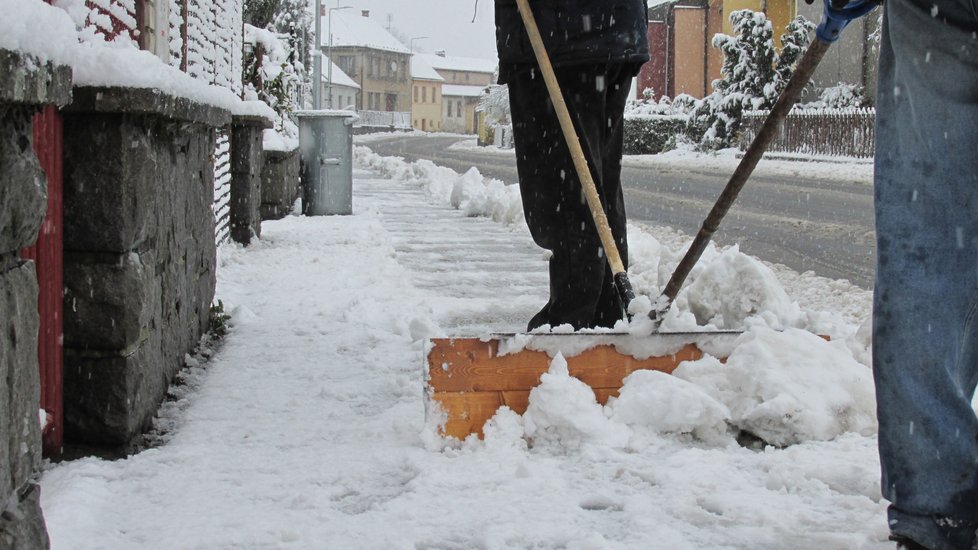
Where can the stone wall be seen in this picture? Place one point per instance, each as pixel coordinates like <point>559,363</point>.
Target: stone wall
<point>23,202</point>
<point>279,183</point>
<point>139,254</point>
<point>246,177</point>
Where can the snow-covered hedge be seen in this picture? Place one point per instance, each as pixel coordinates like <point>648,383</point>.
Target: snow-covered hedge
<point>650,134</point>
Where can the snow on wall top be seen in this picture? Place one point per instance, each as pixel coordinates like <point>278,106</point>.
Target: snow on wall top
<point>39,30</point>
<point>462,91</point>
<point>358,31</point>
<point>337,77</point>
<point>50,34</point>
<point>455,63</point>
<point>422,70</point>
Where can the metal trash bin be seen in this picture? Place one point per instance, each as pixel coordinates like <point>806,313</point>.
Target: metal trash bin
<point>326,151</point>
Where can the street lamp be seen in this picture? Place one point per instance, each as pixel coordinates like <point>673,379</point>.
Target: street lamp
<point>329,52</point>
<point>411,47</point>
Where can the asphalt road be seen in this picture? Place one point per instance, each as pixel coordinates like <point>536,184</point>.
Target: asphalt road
<point>807,224</point>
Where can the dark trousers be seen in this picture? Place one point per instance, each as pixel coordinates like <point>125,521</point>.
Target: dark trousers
<point>582,291</point>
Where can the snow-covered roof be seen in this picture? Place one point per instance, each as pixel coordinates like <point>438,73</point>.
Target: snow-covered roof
<point>454,63</point>
<point>339,78</point>
<point>356,30</point>
<point>422,70</point>
<point>462,91</point>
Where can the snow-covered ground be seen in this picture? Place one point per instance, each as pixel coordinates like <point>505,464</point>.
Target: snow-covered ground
<point>307,429</point>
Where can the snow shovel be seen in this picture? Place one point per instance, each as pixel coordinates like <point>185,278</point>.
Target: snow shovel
<point>834,20</point>
<point>468,379</point>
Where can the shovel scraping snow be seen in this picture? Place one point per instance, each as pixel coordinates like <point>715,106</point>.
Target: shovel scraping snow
<point>469,379</point>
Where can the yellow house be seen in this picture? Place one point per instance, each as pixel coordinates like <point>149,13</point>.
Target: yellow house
<point>426,101</point>
<point>465,82</point>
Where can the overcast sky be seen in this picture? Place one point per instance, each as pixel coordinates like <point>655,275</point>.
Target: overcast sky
<point>448,24</point>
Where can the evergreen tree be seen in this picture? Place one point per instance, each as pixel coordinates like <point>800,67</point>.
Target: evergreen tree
<point>753,74</point>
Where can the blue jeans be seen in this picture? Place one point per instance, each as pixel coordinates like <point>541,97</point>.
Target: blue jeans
<point>925,332</point>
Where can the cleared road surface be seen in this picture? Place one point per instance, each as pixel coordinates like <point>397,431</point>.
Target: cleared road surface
<point>808,224</point>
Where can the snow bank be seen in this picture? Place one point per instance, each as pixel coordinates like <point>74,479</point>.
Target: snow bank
<point>470,192</point>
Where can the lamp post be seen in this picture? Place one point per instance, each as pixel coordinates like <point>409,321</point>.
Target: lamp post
<point>317,59</point>
<point>411,46</point>
<point>329,53</point>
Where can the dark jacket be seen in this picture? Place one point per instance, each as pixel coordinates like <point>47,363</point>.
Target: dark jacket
<point>574,32</point>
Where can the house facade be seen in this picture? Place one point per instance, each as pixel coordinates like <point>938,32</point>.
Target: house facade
<point>426,100</point>
<point>465,82</point>
<point>339,90</point>
<point>376,61</point>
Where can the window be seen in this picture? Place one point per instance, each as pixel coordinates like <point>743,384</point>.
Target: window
<point>346,64</point>
<point>424,94</point>
<point>458,108</point>
<point>415,99</point>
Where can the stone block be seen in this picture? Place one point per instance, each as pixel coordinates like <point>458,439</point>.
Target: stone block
<point>111,399</point>
<point>28,81</point>
<point>246,171</point>
<point>279,183</point>
<point>23,186</point>
<point>22,525</point>
<point>113,301</point>
<point>112,177</point>
<point>20,393</point>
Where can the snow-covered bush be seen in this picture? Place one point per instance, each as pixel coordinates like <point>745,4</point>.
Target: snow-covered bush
<point>270,76</point>
<point>651,134</point>
<point>841,96</point>
<point>753,74</point>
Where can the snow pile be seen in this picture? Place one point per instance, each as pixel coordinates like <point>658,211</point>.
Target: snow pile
<point>39,30</point>
<point>564,413</point>
<point>655,402</point>
<point>788,387</point>
<point>734,287</point>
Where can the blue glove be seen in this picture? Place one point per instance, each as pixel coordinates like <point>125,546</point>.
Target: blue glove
<point>838,14</point>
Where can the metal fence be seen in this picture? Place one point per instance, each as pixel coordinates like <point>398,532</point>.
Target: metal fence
<point>386,119</point>
<point>829,132</point>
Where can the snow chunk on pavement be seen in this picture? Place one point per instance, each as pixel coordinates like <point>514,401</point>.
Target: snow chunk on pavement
<point>666,404</point>
<point>469,193</point>
<point>564,413</point>
<point>734,287</point>
<point>788,387</point>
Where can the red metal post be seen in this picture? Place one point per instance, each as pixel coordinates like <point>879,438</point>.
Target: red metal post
<point>47,254</point>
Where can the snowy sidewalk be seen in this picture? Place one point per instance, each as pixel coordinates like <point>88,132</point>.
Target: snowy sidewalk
<point>305,429</point>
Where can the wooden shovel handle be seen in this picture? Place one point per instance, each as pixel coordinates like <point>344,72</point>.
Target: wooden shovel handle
<point>573,142</point>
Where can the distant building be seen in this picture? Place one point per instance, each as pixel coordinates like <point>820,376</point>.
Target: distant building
<point>682,57</point>
<point>376,61</point>
<point>426,101</point>
<point>339,90</point>
<point>465,82</point>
